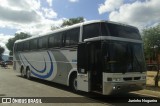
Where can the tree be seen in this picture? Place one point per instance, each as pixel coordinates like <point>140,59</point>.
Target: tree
<point>72,21</point>
<point>69,22</point>
<point>151,38</point>
<point>1,52</point>
<point>54,28</point>
<point>11,41</point>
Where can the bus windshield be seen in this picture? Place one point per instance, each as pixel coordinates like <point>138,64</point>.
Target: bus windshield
<point>117,30</point>
<point>124,57</point>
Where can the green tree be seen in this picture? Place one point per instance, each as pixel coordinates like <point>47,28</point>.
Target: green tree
<point>69,22</point>
<point>72,21</point>
<point>11,41</point>
<point>54,28</point>
<point>1,52</point>
<point>151,39</point>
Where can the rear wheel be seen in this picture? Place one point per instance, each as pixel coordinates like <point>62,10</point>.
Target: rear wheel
<point>74,83</point>
<point>28,72</point>
<point>22,72</point>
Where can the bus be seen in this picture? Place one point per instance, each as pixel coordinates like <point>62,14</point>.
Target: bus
<point>94,56</point>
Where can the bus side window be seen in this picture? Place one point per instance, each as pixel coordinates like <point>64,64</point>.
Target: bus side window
<point>15,47</point>
<point>33,42</point>
<point>55,40</point>
<point>72,37</point>
<point>51,41</point>
<point>26,45</point>
<point>66,37</point>
<point>91,30</point>
<point>20,47</point>
<point>42,42</point>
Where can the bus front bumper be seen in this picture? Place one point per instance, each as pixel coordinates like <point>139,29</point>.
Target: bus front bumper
<point>122,87</point>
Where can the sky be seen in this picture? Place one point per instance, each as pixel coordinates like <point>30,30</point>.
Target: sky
<point>37,16</point>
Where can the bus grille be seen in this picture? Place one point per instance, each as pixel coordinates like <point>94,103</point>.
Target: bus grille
<point>127,78</point>
<point>137,78</point>
<point>131,78</point>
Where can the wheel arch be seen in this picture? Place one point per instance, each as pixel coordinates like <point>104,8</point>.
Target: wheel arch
<point>71,73</point>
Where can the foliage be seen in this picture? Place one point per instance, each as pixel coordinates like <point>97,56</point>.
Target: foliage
<point>54,28</point>
<point>151,39</point>
<point>1,52</point>
<point>69,22</point>
<point>72,21</point>
<point>11,41</point>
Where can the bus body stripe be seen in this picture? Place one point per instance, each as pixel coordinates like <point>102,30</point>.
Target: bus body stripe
<point>48,74</point>
<point>40,71</point>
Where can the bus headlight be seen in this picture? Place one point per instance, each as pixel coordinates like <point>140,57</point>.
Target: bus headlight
<point>143,77</point>
<point>113,79</point>
<point>116,79</point>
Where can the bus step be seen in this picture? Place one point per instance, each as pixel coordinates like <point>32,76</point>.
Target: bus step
<point>99,92</point>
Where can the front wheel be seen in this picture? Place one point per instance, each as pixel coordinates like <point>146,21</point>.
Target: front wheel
<point>28,72</point>
<point>74,83</point>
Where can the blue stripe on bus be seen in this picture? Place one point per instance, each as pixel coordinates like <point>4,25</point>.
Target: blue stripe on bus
<point>48,74</point>
<point>40,71</point>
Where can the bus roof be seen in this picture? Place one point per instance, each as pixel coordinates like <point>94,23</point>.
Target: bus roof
<point>73,26</point>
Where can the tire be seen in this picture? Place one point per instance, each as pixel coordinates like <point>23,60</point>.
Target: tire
<point>28,73</point>
<point>22,72</point>
<point>74,83</point>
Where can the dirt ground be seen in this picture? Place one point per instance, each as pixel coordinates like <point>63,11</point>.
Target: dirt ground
<point>150,78</point>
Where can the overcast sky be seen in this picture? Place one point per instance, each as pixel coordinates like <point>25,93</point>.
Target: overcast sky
<point>37,16</point>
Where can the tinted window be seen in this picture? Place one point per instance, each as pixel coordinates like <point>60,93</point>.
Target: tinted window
<point>55,40</point>
<point>72,37</point>
<point>26,45</point>
<point>33,44</point>
<point>19,46</point>
<point>104,31</point>
<point>91,30</point>
<point>123,31</point>
<point>121,57</point>
<point>51,41</point>
<point>15,47</point>
<point>42,43</point>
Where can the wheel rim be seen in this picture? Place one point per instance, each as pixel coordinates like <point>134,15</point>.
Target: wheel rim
<point>75,83</point>
<point>28,73</point>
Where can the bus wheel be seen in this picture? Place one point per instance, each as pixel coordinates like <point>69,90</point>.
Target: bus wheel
<point>74,83</point>
<point>22,72</point>
<point>28,72</point>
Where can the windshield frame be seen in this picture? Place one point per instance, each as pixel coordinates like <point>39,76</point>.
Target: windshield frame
<point>137,63</point>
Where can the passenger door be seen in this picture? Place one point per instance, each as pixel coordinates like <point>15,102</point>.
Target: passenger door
<point>83,82</point>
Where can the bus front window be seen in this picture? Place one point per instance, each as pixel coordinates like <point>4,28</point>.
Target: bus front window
<point>124,57</point>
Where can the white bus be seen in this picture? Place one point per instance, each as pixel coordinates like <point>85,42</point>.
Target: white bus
<point>94,56</point>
